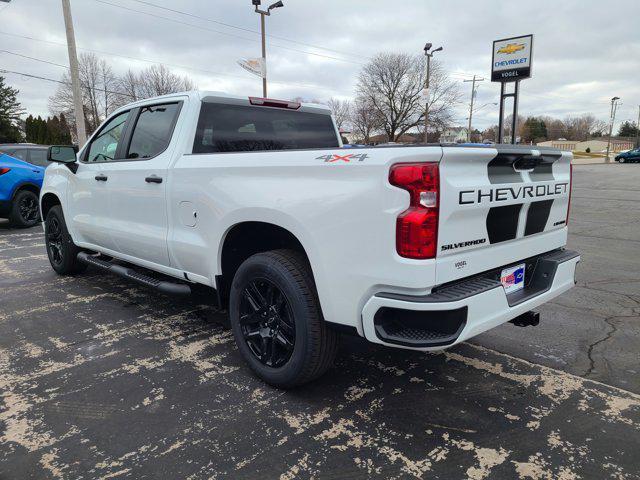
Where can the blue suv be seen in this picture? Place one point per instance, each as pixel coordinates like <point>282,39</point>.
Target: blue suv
<point>20,183</point>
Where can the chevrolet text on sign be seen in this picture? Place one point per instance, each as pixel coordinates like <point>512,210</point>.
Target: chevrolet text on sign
<point>511,59</point>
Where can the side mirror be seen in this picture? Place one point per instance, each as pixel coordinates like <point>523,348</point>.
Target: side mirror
<point>62,153</point>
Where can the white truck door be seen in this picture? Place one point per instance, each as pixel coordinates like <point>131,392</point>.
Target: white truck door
<point>87,209</point>
<point>137,185</point>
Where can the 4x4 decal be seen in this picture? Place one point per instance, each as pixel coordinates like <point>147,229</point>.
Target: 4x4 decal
<point>360,157</point>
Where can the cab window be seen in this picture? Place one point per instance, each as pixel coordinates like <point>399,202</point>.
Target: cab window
<point>153,131</point>
<point>104,145</point>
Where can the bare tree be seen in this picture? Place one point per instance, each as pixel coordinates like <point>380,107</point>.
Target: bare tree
<point>99,92</point>
<point>341,110</point>
<point>365,119</point>
<point>159,80</point>
<point>392,84</point>
<point>129,86</point>
<point>103,92</point>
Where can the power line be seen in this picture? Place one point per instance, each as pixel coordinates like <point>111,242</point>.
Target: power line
<point>38,77</point>
<point>246,29</point>
<point>202,70</point>
<point>33,58</point>
<point>180,22</point>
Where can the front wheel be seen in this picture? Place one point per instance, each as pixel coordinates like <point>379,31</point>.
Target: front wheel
<point>24,211</point>
<point>276,319</point>
<point>621,160</point>
<point>62,252</point>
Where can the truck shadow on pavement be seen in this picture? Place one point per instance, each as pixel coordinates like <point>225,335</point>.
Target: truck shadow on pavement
<point>105,379</point>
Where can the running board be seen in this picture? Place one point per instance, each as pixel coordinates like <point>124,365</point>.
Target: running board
<point>170,288</point>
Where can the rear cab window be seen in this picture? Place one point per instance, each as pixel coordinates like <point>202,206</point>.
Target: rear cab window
<point>153,130</point>
<point>240,128</point>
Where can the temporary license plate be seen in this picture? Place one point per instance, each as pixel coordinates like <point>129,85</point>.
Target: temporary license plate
<point>512,278</point>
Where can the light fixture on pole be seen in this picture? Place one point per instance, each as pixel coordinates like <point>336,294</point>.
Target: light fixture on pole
<point>429,53</point>
<point>614,107</point>
<point>264,13</point>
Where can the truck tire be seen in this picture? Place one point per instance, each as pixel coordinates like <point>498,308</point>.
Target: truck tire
<point>276,319</point>
<point>62,252</point>
<point>24,209</point>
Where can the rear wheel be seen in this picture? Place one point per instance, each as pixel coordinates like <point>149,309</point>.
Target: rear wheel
<point>62,252</point>
<point>24,210</point>
<point>276,319</point>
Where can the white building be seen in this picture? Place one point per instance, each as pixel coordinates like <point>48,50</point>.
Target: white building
<point>454,135</point>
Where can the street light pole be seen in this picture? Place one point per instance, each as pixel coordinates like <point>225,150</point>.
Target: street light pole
<point>81,132</point>
<point>638,129</point>
<point>428,54</point>
<point>473,94</point>
<point>614,107</point>
<point>263,14</point>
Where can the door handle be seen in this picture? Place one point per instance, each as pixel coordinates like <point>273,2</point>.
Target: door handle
<point>101,178</point>
<point>153,179</point>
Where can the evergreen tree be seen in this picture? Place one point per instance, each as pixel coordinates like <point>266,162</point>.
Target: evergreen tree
<point>10,111</point>
<point>628,129</point>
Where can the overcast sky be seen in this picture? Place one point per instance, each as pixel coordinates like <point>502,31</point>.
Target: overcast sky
<point>585,51</point>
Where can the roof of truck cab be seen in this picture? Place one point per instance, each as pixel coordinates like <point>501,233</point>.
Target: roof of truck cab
<point>203,94</point>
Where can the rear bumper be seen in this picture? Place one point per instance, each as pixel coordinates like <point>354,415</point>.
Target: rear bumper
<point>456,312</point>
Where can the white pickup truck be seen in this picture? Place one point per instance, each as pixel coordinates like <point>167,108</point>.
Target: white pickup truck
<point>418,247</point>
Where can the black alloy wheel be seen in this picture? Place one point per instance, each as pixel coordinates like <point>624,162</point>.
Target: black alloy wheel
<point>267,323</point>
<point>54,240</point>
<point>28,209</point>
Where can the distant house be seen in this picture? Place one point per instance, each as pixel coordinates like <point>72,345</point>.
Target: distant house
<point>454,135</point>
<point>382,138</point>
<point>595,145</point>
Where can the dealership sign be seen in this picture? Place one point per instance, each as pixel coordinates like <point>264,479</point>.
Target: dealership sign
<point>511,59</point>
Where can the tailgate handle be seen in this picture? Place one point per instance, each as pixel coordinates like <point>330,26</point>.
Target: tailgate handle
<point>527,164</point>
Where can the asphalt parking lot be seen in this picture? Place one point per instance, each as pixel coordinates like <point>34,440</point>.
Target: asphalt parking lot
<point>100,379</point>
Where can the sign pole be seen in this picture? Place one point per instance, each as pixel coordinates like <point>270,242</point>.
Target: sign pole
<point>501,119</point>
<point>514,121</point>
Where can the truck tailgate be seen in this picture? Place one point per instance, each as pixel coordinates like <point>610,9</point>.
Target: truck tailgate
<point>498,205</point>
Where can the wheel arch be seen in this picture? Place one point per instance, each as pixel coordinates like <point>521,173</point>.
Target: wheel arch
<point>247,238</point>
<point>31,187</point>
<point>48,201</point>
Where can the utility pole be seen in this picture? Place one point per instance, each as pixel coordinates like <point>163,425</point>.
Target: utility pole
<point>473,95</point>
<point>81,132</point>
<point>614,107</point>
<point>263,14</point>
<point>638,129</point>
<point>428,54</point>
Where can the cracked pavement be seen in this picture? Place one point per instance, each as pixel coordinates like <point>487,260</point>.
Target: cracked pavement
<point>104,379</point>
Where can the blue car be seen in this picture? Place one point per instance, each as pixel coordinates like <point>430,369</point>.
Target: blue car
<point>20,184</point>
<point>629,156</point>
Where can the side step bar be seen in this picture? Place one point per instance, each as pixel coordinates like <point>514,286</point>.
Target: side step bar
<point>170,288</point>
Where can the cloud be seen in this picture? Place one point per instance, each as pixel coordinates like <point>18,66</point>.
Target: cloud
<point>584,52</point>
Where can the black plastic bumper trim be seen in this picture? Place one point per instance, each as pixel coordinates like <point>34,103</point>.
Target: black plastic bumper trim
<point>538,282</point>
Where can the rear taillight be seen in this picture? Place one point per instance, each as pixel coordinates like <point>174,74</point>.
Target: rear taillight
<point>570,187</point>
<point>270,102</point>
<point>4,170</point>
<point>417,226</point>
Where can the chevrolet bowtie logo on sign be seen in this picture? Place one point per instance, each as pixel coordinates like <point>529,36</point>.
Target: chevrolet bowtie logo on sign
<point>511,59</point>
<point>511,48</point>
